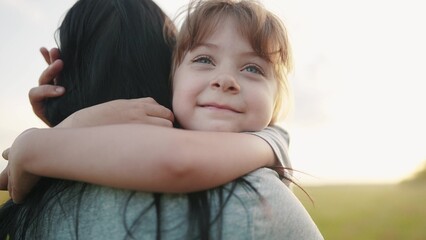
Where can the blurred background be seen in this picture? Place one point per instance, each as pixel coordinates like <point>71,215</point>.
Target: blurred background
<point>358,123</point>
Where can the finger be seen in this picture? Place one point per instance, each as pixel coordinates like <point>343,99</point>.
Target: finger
<point>40,93</point>
<point>54,54</point>
<point>9,185</point>
<point>159,111</point>
<point>15,196</point>
<point>3,180</point>
<point>148,106</point>
<point>12,190</point>
<point>147,100</point>
<point>5,154</point>
<point>37,95</point>
<point>45,53</point>
<point>51,72</point>
<point>22,187</point>
<point>158,122</point>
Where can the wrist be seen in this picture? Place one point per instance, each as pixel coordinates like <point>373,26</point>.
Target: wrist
<point>28,147</point>
<point>21,148</point>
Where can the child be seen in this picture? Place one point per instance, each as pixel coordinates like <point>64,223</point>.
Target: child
<point>228,79</point>
<point>221,83</point>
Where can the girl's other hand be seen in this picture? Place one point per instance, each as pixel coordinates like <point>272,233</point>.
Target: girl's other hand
<point>50,56</point>
<point>3,174</point>
<point>47,88</point>
<point>14,178</point>
<point>132,111</point>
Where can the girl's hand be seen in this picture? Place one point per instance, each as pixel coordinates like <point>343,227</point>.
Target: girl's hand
<point>14,178</point>
<point>142,110</point>
<point>47,88</point>
<point>4,173</point>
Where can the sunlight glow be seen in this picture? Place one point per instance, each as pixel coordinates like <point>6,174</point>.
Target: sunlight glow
<point>359,82</point>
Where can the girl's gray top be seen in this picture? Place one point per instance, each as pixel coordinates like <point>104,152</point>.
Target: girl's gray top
<point>108,213</point>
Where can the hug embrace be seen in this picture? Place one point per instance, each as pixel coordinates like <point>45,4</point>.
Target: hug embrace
<point>158,133</point>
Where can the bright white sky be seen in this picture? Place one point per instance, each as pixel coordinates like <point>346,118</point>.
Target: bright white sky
<point>359,82</point>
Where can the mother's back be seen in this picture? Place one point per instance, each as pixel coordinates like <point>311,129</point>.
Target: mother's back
<point>107,213</point>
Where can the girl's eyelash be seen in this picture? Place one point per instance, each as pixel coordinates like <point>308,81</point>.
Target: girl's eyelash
<point>206,59</point>
<point>257,67</point>
<point>198,59</point>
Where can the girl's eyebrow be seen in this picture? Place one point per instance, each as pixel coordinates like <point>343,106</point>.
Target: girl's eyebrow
<point>205,45</point>
<point>254,55</point>
<point>212,46</point>
<point>215,47</point>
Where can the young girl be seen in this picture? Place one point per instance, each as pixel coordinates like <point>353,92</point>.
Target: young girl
<point>226,78</point>
<point>230,78</point>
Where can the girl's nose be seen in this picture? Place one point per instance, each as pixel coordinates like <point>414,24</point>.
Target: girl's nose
<point>226,83</point>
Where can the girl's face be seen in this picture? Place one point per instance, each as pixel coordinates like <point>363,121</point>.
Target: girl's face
<point>223,85</point>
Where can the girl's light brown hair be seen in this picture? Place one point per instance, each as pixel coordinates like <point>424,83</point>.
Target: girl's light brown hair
<point>264,31</point>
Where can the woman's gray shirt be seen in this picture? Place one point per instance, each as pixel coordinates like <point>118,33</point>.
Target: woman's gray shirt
<point>108,213</point>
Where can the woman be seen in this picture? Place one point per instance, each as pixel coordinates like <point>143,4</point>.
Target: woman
<point>73,206</point>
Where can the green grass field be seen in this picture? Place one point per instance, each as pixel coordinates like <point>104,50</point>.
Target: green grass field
<point>4,195</point>
<point>368,212</point>
<point>376,212</point>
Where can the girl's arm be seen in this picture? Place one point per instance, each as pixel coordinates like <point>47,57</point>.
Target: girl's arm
<point>121,111</point>
<point>138,157</point>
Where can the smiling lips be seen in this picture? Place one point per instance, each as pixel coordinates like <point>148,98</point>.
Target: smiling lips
<point>215,106</point>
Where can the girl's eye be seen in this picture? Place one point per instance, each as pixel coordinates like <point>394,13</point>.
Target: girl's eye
<point>203,60</point>
<point>254,69</point>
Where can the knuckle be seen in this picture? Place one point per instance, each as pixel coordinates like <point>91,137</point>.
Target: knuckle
<point>169,124</point>
<point>149,100</point>
<point>32,92</point>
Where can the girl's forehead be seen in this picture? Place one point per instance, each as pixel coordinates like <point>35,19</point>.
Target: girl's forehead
<point>228,24</point>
